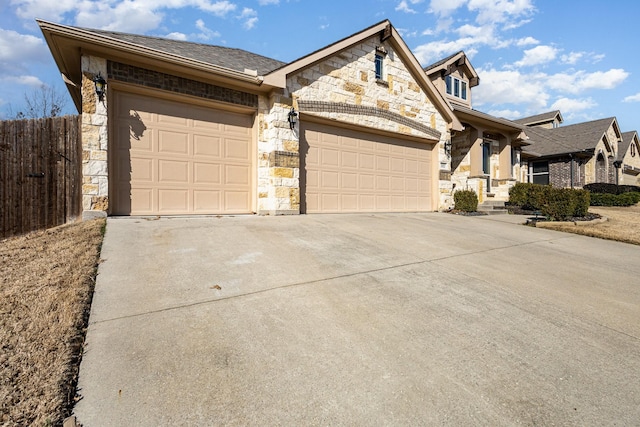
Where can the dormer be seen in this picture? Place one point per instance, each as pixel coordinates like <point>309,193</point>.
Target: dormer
<point>548,120</point>
<point>454,77</point>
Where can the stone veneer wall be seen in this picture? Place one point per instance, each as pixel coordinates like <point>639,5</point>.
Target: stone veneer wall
<point>95,179</point>
<point>344,88</point>
<point>278,157</point>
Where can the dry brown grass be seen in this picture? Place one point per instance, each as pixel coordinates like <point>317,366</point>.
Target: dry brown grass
<point>623,224</point>
<point>46,284</point>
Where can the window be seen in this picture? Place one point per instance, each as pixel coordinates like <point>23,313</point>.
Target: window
<point>633,149</point>
<point>379,69</point>
<point>539,173</point>
<point>456,87</point>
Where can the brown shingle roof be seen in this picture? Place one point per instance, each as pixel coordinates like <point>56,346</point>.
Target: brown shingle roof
<point>575,138</point>
<point>540,118</point>
<point>234,59</point>
<point>442,61</point>
<point>627,138</point>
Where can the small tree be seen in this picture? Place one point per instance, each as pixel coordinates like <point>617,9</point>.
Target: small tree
<point>44,101</point>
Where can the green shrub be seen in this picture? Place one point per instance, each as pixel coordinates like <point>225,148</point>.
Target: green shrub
<point>624,199</point>
<point>601,187</point>
<point>528,196</point>
<point>466,200</point>
<point>583,201</point>
<point>560,205</point>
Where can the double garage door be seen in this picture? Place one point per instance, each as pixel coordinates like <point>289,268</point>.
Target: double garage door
<point>352,171</point>
<point>173,158</point>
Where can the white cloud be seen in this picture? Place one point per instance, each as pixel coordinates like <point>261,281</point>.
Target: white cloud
<point>571,57</point>
<point>498,11</point>
<point>250,18</point>
<point>507,114</point>
<point>137,16</point>
<point>580,81</point>
<point>571,106</point>
<point>404,7</point>
<point>205,33</point>
<point>537,55</point>
<point>268,2</point>
<point>176,36</point>
<point>632,98</point>
<point>18,48</point>
<point>510,87</point>
<point>445,7</point>
<point>31,81</point>
<point>526,41</point>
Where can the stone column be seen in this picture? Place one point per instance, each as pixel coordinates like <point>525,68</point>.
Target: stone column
<point>475,136</point>
<point>279,158</point>
<point>95,182</point>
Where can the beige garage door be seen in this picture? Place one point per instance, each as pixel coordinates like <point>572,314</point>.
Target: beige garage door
<point>349,171</point>
<point>172,158</point>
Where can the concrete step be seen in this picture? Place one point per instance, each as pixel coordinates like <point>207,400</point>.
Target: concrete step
<point>493,207</point>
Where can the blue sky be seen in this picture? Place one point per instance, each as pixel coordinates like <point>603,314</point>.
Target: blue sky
<point>532,55</point>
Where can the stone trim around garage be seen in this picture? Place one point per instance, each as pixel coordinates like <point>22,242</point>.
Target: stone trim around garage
<point>157,80</point>
<point>344,108</point>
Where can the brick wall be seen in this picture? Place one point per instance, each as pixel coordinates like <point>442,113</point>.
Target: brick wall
<point>560,173</point>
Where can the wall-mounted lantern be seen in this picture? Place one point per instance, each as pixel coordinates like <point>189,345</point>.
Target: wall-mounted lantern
<point>292,118</point>
<point>101,86</point>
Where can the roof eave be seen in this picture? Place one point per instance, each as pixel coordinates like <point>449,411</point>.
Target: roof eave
<point>68,43</point>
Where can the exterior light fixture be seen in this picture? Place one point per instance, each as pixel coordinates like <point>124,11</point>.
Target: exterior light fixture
<point>447,147</point>
<point>101,86</point>
<point>292,118</point>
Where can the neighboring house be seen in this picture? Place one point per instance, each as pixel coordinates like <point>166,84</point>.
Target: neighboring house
<point>186,128</point>
<point>629,155</point>
<point>573,155</point>
<point>485,155</point>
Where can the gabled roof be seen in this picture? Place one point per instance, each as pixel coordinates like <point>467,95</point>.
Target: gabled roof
<point>541,118</point>
<point>490,122</point>
<point>67,44</point>
<point>458,59</point>
<point>234,59</point>
<point>572,139</point>
<point>627,139</point>
<point>387,33</point>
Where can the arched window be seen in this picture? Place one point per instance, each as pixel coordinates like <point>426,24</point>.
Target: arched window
<point>601,168</point>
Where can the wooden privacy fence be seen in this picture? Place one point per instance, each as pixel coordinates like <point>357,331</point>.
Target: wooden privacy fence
<point>40,173</point>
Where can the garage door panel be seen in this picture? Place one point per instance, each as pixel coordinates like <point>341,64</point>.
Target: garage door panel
<point>374,174</point>
<point>206,201</point>
<point>141,169</point>
<point>237,149</point>
<point>176,158</point>
<point>204,145</point>
<point>142,200</point>
<point>207,173</point>
<point>236,200</point>
<point>173,142</point>
<point>237,175</point>
<point>173,201</point>
<point>173,171</point>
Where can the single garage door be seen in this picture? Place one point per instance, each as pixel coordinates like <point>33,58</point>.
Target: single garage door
<point>350,171</point>
<point>172,158</point>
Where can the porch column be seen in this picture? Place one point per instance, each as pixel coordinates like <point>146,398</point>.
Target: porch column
<point>475,136</point>
<point>504,163</point>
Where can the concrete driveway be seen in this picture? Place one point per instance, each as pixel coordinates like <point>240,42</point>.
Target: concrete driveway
<point>410,319</point>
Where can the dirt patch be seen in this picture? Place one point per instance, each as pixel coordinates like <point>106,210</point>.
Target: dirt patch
<point>46,284</point>
<point>623,224</point>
